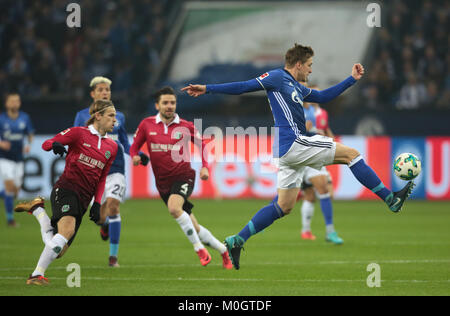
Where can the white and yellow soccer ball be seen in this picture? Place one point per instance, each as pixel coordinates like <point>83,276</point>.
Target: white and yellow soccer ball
<point>407,166</point>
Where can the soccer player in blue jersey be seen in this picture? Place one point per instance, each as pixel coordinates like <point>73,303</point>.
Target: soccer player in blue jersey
<point>115,187</point>
<point>292,148</point>
<point>15,126</point>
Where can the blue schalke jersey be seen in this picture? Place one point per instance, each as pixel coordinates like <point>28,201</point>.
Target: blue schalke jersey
<point>119,135</point>
<point>14,131</point>
<point>286,97</point>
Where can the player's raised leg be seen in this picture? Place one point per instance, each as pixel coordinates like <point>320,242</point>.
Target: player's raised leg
<point>175,206</point>
<point>36,208</point>
<point>367,177</point>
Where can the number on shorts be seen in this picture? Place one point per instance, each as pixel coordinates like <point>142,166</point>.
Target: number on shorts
<point>184,188</point>
<point>118,190</point>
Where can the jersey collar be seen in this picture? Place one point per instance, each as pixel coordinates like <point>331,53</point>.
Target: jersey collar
<point>176,119</point>
<point>95,132</point>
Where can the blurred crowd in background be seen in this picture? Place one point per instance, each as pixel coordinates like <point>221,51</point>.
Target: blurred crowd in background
<point>411,68</point>
<point>43,59</point>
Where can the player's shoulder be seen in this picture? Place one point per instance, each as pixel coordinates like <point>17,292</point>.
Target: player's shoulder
<point>187,123</point>
<point>271,74</point>
<point>83,111</point>
<point>112,143</point>
<point>149,120</point>
<point>120,115</point>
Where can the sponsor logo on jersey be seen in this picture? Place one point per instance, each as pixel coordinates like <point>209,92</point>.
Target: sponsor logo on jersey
<point>107,154</point>
<point>164,147</point>
<point>91,162</point>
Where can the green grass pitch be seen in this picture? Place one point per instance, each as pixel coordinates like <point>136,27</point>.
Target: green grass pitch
<point>412,249</point>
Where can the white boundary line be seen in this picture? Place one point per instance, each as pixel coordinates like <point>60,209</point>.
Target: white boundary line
<point>181,265</point>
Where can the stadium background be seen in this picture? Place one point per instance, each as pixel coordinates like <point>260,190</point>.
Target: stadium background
<point>402,104</point>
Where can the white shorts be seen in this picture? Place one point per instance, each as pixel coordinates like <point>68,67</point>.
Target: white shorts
<point>12,170</point>
<point>315,152</point>
<point>311,173</point>
<point>115,187</point>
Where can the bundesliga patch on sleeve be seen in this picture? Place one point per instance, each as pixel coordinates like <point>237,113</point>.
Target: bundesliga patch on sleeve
<point>263,76</point>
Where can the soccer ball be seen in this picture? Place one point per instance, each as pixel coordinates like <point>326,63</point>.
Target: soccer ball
<point>407,166</point>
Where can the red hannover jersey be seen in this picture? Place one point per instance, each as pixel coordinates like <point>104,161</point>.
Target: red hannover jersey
<point>169,149</point>
<point>321,119</point>
<point>87,163</point>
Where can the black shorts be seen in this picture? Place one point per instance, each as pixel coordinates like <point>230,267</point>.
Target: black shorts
<point>66,203</point>
<point>183,188</point>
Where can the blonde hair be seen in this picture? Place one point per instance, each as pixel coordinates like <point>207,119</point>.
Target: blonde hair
<point>96,80</point>
<point>98,106</point>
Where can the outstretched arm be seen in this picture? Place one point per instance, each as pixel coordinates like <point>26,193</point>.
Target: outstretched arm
<point>195,90</point>
<point>329,94</point>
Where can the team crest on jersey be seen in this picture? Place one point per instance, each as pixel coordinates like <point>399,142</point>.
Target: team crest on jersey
<point>264,76</point>
<point>177,135</point>
<point>22,125</point>
<point>108,154</point>
<point>65,208</point>
<point>296,97</point>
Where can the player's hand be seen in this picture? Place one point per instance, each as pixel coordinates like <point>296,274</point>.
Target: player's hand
<point>5,145</point>
<point>94,213</point>
<point>144,159</point>
<point>357,71</point>
<point>195,90</point>
<point>136,160</point>
<point>204,174</point>
<point>59,149</point>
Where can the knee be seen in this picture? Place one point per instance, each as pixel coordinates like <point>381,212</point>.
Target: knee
<point>175,211</point>
<point>351,154</point>
<point>286,206</point>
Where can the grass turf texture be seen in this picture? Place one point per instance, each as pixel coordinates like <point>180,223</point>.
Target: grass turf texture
<point>412,249</point>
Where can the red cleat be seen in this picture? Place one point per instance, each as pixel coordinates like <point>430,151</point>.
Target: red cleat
<point>204,256</point>
<point>37,280</point>
<point>308,236</point>
<point>226,262</point>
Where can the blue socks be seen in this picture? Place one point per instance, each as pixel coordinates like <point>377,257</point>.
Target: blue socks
<point>264,218</point>
<point>115,224</point>
<point>368,178</point>
<point>327,208</point>
<point>9,206</point>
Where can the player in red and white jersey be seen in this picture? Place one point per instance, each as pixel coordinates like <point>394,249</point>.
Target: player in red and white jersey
<point>89,158</point>
<point>322,126</point>
<point>318,183</point>
<point>168,139</point>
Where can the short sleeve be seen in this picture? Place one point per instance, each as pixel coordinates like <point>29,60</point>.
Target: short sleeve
<point>305,91</point>
<point>271,80</point>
